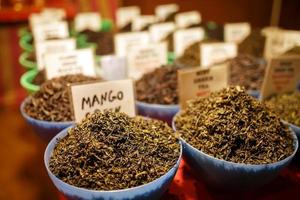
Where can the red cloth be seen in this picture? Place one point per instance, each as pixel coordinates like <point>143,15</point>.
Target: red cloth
<point>186,186</point>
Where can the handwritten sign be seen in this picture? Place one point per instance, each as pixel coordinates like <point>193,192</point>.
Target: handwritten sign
<point>236,32</point>
<point>158,32</point>
<point>87,98</point>
<point>163,11</point>
<point>143,59</point>
<point>185,37</point>
<point>197,82</point>
<point>113,67</point>
<point>282,75</point>
<point>126,15</point>
<point>72,62</point>
<point>186,19</point>
<point>51,30</point>
<point>217,52</point>
<point>87,21</point>
<point>142,21</point>
<point>52,46</point>
<point>124,41</point>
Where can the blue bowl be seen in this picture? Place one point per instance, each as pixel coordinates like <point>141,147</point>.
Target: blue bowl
<point>152,190</point>
<point>227,175</point>
<point>45,129</point>
<point>157,111</point>
<point>296,129</point>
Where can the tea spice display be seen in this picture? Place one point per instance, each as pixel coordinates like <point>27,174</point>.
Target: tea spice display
<point>247,71</point>
<point>287,106</point>
<point>158,86</point>
<point>233,126</point>
<point>253,44</point>
<point>52,101</point>
<point>112,151</point>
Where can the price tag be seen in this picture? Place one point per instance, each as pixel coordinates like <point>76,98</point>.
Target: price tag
<point>124,41</point>
<point>163,11</point>
<point>113,67</point>
<point>282,75</point>
<point>142,21</point>
<point>72,62</point>
<point>143,59</point>
<point>197,82</point>
<point>126,15</point>
<point>87,21</point>
<point>37,18</point>
<point>186,19</point>
<point>236,32</point>
<point>54,13</point>
<point>158,32</point>
<point>216,53</point>
<point>87,98</point>
<point>186,37</point>
<point>51,30</point>
<point>52,46</point>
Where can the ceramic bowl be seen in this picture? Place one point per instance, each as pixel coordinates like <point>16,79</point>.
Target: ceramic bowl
<point>152,190</point>
<point>26,81</point>
<point>296,129</point>
<point>26,62</point>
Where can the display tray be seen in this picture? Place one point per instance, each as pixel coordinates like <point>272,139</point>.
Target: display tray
<point>186,186</point>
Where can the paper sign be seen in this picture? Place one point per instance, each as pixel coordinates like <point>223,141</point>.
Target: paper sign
<point>37,18</point>
<point>236,32</point>
<point>142,21</point>
<point>125,15</point>
<point>282,75</point>
<point>143,59</point>
<point>52,46</point>
<point>124,41</point>
<point>113,67</point>
<point>87,21</point>
<point>51,30</point>
<point>217,53</point>
<point>58,13</point>
<point>72,62</point>
<point>117,96</point>
<point>163,11</point>
<point>186,19</point>
<point>186,37</point>
<point>158,32</point>
<point>197,82</point>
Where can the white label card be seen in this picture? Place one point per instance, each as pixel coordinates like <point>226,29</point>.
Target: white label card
<point>87,21</point>
<point>124,41</point>
<point>117,96</point>
<point>158,32</point>
<point>142,21</point>
<point>125,15</point>
<point>163,11</point>
<point>52,46</point>
<point>186,37</point>
<point>216,53</point>
<point>58,13</point>
<point>143,59</point>
<point>113,67</point>
<point>197,82</point>
<point>72,62</point>
<point>37,18</point>
<point>186,19</point>
<point>236,32</point>
<point>51,30</point>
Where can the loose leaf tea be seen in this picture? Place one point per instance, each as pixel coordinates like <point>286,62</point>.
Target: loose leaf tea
<point>158,86</point>
<point>40,78</point>
<point>52,101</point>
<point>233,126</point>
<point>111,151</point>
<point>247,71</point>
<point>287,106</point>
<point>253,44</point>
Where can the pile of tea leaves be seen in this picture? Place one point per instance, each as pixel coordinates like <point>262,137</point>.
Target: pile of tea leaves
<point>52,101</point>
<point>111,151</point>
<point>287,106</point>
<point>233,126</point>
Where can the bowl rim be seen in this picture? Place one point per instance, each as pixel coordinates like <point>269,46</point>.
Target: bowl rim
<point>28,85</point>
<point>155,105</point>
<point>64,132</point>
<point>258,166</point>
<point>26,116</point>
<point>23,60</point>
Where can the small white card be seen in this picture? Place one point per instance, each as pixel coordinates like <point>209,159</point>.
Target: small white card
<point>215,53</point>
<point>163,11</point>
<point>236,32</point>
<point>80,61</point>
<point>113,67</point>
<point>125,15</point>
<point>38,18</point>
<point>186,19</point>
<point>158,32</point>
<point>87,21</point>
<point>142,21</point>
<point>87,98</point>
<point>57,30</point>
<point>52,46</point>
<point>58,13</point>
